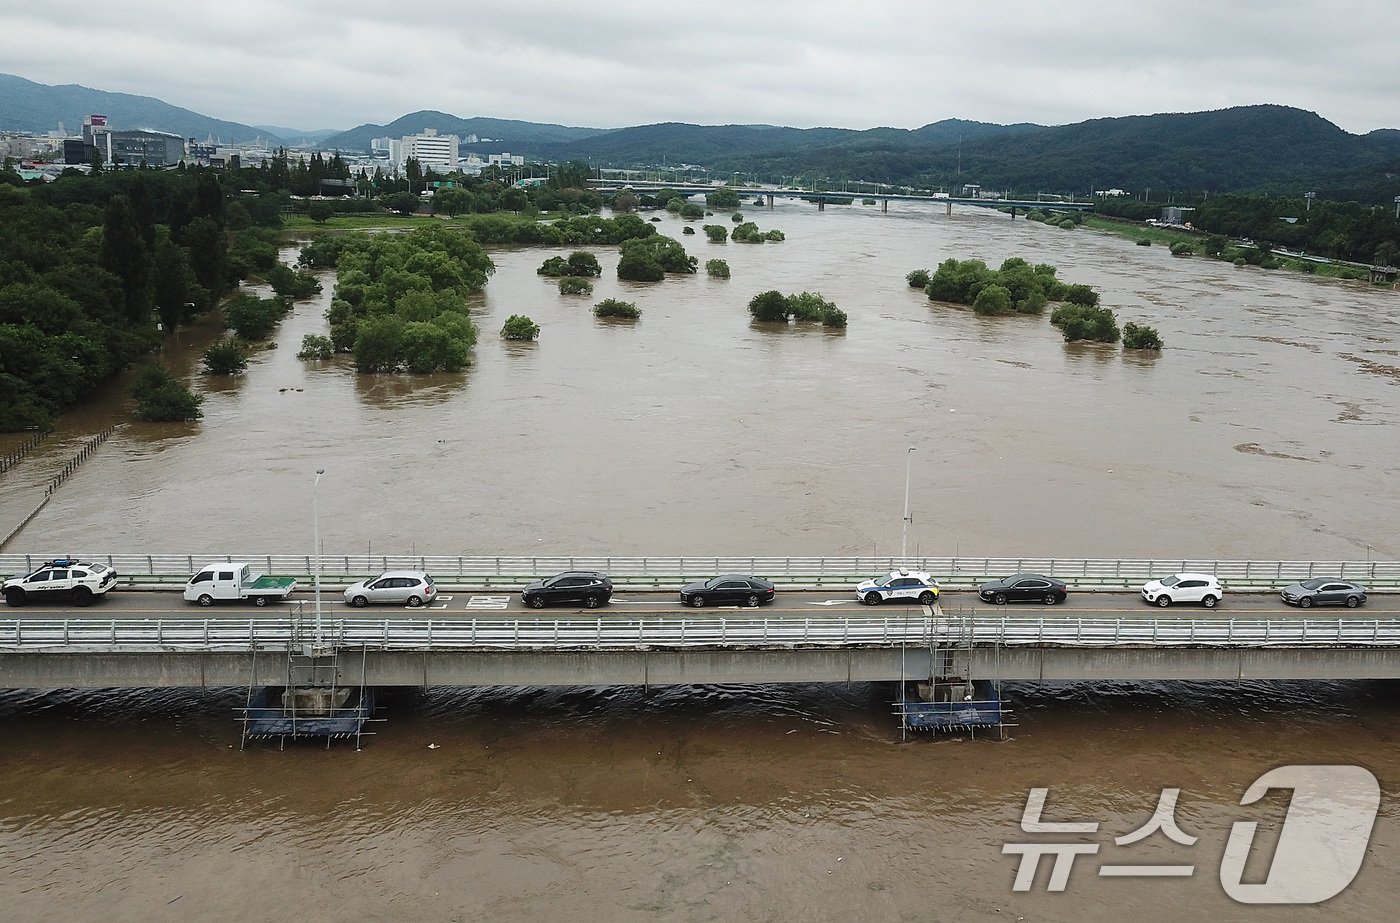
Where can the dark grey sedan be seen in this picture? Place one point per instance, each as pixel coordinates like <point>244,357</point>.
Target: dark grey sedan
<point>1324,591</point>
<point>728,589</point>
<point>1024,588</point>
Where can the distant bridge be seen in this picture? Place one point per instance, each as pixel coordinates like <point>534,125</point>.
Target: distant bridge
<point>821,197</point>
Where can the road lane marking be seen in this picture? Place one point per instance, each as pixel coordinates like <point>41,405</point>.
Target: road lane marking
<point>488,602</point>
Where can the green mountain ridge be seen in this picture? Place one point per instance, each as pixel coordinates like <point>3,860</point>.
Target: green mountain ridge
<point>507,132</point>
<point>1265,147</point>
<point>29,106</point>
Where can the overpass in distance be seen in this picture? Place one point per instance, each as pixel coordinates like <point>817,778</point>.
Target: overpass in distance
<point>821,197</point>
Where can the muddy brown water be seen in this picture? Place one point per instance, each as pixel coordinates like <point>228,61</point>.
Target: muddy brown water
<point>1264,430</point>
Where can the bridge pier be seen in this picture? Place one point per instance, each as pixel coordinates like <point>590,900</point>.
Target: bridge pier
<point>885,206</point>
<point>948,209</point>
<point>770,201</point>
<point>821,203</point>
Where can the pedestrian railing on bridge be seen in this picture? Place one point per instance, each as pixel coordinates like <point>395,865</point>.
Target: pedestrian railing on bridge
<point>78,636</point>
<point>665,573</point>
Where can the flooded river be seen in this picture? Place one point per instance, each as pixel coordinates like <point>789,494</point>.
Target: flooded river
<point>1265,429</point>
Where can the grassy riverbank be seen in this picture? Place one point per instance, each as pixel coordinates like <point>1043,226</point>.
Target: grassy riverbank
<point>1232,253</point>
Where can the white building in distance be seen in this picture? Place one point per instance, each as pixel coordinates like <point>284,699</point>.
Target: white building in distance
<point>431,150</point>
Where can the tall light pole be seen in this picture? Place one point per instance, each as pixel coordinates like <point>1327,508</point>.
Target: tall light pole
<point>316,537</point>
<point>904,539</point>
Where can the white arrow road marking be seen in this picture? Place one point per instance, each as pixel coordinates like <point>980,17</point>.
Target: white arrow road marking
<point>641,602</point>
<point>488,602</point>
<point>831,602</point>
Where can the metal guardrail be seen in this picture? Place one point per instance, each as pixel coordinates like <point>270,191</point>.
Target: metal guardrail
<point>789,572</point>
<point>78,636</point>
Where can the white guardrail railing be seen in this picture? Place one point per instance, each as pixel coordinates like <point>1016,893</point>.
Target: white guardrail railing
<point>243,634</point>
<point>671,572</point>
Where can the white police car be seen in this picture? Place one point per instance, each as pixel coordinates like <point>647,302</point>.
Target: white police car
<point>913,586</point>
<point>67,579</point>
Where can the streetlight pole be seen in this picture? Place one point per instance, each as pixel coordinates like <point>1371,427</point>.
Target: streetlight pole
<point>904,539</point>
<point>316,536</point>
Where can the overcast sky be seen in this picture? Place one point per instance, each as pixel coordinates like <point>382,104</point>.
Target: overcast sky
<point>311,64</point>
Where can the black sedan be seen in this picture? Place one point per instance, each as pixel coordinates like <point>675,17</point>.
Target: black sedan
<point>573,586</point>
<point>1024,588</point>
<point>728,589</point>
<point>1324,591</point>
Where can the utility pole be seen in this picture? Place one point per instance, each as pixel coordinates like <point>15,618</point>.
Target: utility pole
<point>904,538</point>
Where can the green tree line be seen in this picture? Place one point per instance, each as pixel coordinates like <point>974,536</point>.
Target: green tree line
<point>92,268</point>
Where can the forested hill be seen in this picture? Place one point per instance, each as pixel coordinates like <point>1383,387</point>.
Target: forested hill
<point>505,134</point>
<point>715,145</point>
<point>29,106</point>
<point>1245,148</point>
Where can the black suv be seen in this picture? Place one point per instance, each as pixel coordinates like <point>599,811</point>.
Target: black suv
<point>573,586</point>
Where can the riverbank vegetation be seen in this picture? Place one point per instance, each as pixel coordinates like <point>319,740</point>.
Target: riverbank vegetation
<point>95,269</point>
<point>748,233</point>
<point>400,302</point>
<point>163,398</point>
<point>1019,287</point>
<point>611,307</point>
<point>1085,322</point>
<point>776,308</point>
<point>519,327</point>
<point>578,263</point>
<point>648,259</point>
<point>1016,287</point>
<point>228,356</point>
<point>1140,336</point>
<point>718,269</point>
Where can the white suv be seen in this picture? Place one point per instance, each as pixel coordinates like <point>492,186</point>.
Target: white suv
<point>1184,588</point>
<point>64,578</point>
<point>914,586</point>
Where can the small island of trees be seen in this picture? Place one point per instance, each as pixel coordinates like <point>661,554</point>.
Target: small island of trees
<point>400,303</point>
<point>777,308</point>
<point>648,259</point>
<point>1019,287</point>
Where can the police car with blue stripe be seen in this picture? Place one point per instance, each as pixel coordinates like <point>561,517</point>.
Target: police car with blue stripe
<point>914,586</point>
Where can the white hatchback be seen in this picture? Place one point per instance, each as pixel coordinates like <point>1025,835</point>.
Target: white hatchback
<point>1184,588</point>
<point>913,586</point>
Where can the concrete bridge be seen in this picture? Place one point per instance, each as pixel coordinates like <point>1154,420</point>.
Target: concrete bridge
<point>790,572</point>
<point>946,660</point>
<point>659,649</point>
<point>821,197</point>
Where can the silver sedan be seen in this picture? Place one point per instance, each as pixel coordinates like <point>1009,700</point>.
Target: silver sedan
<point>411,588</point>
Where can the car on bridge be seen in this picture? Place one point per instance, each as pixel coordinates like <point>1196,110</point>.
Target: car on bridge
<point>1324,591</point>
<point>1024,588</point>
<point>411,588</point>
<point>1205,589</point>
<point>732,589</point>
<point>78,582</point>
<point>913,586</point>
<point>588,587</point>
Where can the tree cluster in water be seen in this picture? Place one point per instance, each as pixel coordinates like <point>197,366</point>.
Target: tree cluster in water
<point>1022,288</point>
<point>400,299</point>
